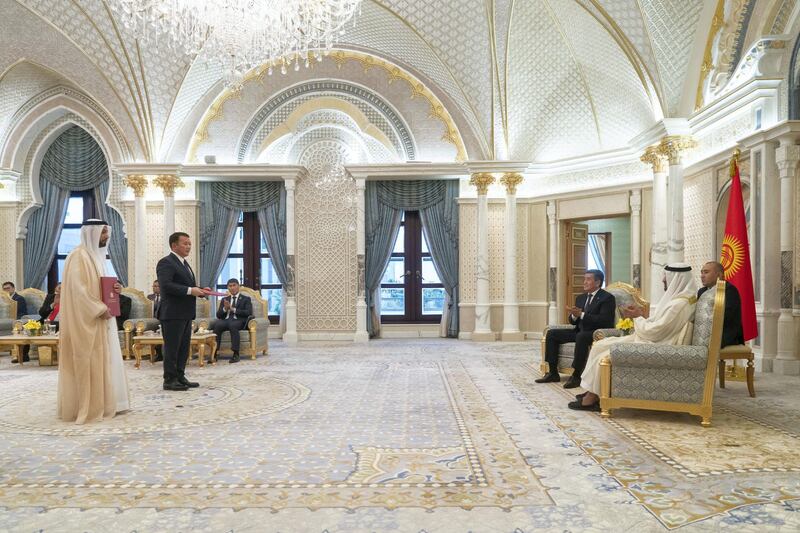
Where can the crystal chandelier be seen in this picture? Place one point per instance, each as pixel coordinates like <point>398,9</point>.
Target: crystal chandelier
<point>239,35</point>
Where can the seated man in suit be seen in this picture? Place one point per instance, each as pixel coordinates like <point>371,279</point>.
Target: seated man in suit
<point>155,297</point>
<point>732,333</point>
<point>22,306</point>
<point>51,307</point>
<point>124,310</point>
<point>233,312</point>
<point>594,309</point>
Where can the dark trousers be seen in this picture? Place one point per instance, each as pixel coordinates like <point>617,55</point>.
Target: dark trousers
<point>557,337</point>
<point>234,326</point>
<point>177,337</point>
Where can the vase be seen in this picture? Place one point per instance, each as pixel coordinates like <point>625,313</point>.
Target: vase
<point>34,332</point>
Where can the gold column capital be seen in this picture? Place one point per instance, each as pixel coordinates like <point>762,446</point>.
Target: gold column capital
<point>137,182</point>
<point>168,183</point>
<point>674,146</point>
<point>653,157</point>
<point>511,180</point>
<point>481,180</point>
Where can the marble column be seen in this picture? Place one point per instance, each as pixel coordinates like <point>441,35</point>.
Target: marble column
<point>788,358</point>
<point>636,238</point>
<point>552,261</point>
<point>168,183</point>
<point>674,147</point>
<point>290,331</point>
<point>511,330</point>
<point>483,329</point>
<point>361,336</point>
<point>141,280</point>
<point>659,230</point>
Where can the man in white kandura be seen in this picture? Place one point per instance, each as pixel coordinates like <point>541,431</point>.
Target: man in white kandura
<point>92,384</point>
<point>670,324</point>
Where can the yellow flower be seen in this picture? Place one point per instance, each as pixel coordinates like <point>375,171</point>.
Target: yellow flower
<point>625,324</point>
<point>32,324</point>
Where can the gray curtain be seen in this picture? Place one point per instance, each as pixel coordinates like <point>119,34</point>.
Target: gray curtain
<point>440,224</point>
<point>221,203</point>
<point>73,162</point>
<point>217,228</point>
<point>44,229</point>
<point>382,223</point>
<point>436,202</point>
<point>118,246</point>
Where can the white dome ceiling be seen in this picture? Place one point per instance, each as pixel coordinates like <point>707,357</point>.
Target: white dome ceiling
<point>539,80</point>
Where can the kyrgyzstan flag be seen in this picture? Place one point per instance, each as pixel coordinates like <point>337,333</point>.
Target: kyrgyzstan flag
<point>736,254</point>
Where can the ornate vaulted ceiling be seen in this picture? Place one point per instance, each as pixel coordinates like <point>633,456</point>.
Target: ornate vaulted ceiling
<point>539,80</point>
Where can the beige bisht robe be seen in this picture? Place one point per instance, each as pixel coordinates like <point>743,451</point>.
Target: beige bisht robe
<point>85,392</point>
<point>673,326</point>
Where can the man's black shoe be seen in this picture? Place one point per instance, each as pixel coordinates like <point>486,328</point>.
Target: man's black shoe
<point>158,358</point>
<point>191,384</point>
<point>577,405</point>
<point>175,385</point>
<point>550,377</point>
<point>234,358</point>
<point>573,382</point>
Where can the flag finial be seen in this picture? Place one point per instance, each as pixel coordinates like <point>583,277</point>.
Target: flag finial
<point>735,160</point>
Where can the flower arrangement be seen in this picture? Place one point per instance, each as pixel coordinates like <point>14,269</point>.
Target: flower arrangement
<point>626,325</point>
<point>32,327</point>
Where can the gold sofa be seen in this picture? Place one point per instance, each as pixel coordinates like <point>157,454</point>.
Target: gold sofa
<point>254,337</point>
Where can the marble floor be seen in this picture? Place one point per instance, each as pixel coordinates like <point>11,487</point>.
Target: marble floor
<point>398,435</point>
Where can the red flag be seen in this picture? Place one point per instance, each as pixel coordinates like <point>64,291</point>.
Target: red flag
<point>736,254</point>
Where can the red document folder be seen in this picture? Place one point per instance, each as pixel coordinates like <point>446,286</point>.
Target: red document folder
<point>110,298</point>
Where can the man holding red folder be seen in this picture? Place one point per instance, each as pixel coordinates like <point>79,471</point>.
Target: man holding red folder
<point>179,293</point>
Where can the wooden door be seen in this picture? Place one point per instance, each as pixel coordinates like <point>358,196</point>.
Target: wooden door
<point>577,260</point>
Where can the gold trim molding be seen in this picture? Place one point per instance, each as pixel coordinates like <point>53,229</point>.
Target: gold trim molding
<point>168,183</point>
<point>340,57</point>
<point>653,157</point>
<point>674,146</point>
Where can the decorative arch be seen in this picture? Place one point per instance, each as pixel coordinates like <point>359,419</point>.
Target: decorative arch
<point>387,111</point>
<point>794,82</point>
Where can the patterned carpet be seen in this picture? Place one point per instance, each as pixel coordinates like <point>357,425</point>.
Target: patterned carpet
<point>423,435</point>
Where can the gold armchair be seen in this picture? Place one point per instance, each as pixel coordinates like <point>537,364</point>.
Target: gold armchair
<point>255,337</point>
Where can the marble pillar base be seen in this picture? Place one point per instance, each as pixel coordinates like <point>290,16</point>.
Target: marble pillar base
<point>483,337</point>
<point>512,336</point>
<point>763,364</point>
<point>786,367</point>
<point>361,337</point>
<point>290,338</point>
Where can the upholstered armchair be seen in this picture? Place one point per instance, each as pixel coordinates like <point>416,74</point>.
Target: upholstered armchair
<point>624,295</point>
<point>254,337</point>
<point>34,298</point>
<point>667,377</point>
<point>140,320</point>
<point>8,314</point>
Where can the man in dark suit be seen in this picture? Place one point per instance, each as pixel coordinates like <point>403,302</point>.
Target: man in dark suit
<point>594,309</point>
<point>233,312</point>
<point>179,292</point>
<point>155,297</point>
<point>732,333</point>
<point>51,306</point>
<point>22,306</point>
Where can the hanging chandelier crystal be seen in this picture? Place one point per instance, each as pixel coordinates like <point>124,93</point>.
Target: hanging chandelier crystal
<point>239,35</point>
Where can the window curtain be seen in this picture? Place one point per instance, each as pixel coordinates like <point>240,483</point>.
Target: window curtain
<point>118,244</point>
<point>73,162</point>
<point>440,224</point>
<point>272,220</point>
<point>221,203</point>
<point>597,248</point>
<point>436,201</point>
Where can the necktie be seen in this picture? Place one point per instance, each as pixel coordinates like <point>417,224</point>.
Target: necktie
<point>186,264</point>
<point>233,305</point>
<point>588,302</point>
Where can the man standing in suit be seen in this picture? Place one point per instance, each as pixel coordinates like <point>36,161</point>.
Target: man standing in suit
<point>178,303</point>
<point>594,309</point>
<point>22,306</point>
<point>233,312</point>
<point>732,333</point>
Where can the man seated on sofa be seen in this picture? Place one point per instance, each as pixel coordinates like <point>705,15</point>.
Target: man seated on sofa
<point>51,307</point>
<point>732,333</point>
<point>155,297</point>
<point>594,309</point>
<point>22,306</point>
<point>233,312</point>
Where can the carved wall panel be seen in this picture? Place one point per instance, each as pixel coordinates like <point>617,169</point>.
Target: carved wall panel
<point>699,223</point>
<point>467,251</point>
